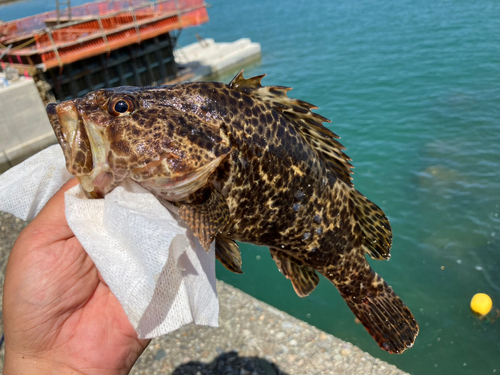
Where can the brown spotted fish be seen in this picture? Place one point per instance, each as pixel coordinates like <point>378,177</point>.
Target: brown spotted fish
<point>244,163</point>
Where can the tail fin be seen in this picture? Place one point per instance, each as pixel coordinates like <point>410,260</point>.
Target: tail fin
<point>379,309</point>
<point>362,228</point>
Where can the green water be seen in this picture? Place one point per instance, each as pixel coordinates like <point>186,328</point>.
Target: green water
<point>413,88</point>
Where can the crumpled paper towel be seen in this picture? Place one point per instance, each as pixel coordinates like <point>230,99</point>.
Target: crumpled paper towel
<point>150,259</point>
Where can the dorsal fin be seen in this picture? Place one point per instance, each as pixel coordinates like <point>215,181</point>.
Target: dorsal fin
<point>309,124</point>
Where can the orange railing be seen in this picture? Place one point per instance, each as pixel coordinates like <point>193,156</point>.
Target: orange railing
<point>96,28</point>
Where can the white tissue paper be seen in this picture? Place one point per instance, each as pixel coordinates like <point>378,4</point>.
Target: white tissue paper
<point>150,259</point>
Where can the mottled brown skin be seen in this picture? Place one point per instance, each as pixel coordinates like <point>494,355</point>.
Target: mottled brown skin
<point>278,178</point>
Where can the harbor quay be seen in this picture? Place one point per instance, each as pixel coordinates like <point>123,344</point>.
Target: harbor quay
<point>253,338</point>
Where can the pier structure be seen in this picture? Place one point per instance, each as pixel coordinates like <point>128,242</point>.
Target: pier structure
<point>101,44</point>
<point>206,58</point>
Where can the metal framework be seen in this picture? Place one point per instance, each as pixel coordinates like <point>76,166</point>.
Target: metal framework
<point>58,38</point>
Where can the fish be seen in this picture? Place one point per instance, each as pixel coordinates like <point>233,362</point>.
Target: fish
<point>243,162</point>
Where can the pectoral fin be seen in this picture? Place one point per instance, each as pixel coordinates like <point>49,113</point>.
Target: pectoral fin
<point>228,253</point>
<point>303,277</point>
<point>206,219</point>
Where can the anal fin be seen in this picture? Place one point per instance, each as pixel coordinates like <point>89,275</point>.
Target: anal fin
<point>206,219</point>
<point>228,253</point>
<point>377,233</point>
<point>303,277</point>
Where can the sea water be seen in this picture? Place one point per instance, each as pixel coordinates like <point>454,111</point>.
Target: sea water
<point>413,89</point>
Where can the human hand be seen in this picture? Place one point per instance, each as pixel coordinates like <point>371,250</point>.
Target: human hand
<point>59,315</point>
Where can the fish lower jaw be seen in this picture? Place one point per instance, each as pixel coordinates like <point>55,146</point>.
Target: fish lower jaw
<point>98,184</point>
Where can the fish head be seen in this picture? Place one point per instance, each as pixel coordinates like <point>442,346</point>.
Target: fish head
<point>152,135</point>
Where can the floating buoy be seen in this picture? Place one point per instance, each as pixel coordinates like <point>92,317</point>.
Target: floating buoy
<point>481,304</point>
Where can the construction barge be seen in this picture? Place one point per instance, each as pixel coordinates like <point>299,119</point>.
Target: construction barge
<point>75,50</point>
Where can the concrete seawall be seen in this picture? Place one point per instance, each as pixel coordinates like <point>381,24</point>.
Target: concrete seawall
<point>253,339</point>
<point>24,126</point>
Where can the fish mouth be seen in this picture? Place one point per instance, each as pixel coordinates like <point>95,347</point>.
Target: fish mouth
<point>82,159</point>
<point>72,136</point>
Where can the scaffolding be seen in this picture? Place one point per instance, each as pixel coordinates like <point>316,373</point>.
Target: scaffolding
<point>54,39</point>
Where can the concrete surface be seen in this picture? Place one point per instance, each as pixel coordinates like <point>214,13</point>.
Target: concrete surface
<point>253,339</point>
<point>206,57</point>
<point>24,126</point>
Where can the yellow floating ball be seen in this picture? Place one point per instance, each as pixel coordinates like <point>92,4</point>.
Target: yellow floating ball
<point>481,304</point>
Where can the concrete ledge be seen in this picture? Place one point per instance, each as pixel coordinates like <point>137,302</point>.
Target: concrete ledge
<point>21,152</point>
<point>24,125</point>
<point>255,338</point>
<point>206,58</point>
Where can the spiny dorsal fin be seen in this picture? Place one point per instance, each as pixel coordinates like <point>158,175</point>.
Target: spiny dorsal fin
<point>238,82</point>
<point>309,124</point>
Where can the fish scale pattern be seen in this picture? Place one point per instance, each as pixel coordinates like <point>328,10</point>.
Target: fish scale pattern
<point>246,163</point>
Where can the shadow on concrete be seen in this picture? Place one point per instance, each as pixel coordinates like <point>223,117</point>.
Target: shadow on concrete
<point>230,364</point>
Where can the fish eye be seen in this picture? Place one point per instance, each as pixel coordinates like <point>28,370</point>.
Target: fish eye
<point>120,106</point>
